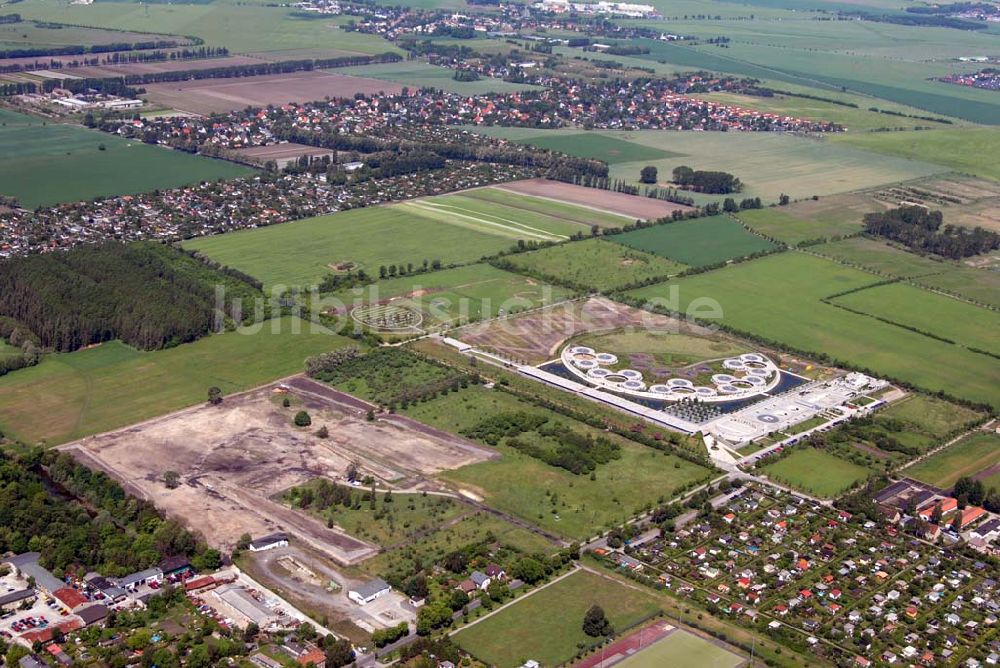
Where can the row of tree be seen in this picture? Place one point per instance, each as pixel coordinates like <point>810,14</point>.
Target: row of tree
<point>716,183</point>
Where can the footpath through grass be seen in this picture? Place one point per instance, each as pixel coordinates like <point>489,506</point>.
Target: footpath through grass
<point>547,626</point>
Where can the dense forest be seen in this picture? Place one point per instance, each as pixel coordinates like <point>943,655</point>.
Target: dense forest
<point>106,531</point>
<point>921,230</point>
<point>716,183</point>
<point>147,294</point>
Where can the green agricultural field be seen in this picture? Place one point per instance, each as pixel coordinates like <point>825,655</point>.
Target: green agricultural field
<point>697,242</point>
<point>240,26</point>
<point>26,35</point>
<point>784,305</point>
<point>966,149</point>
<point>391,520</point>
<point>595,263</point>
<point>419,74</point>
<point>880,257</point>
<point>837,215</point>
<point>451,296</point>
<point>581,215</point>
<point>401,561</point>
<point>302,252</point>
<point>681,648</point>
<point>596,145</point>
<point>76,394</point>
<point>965,324</point>
<point>976,455</point>
<point>816,472</point>
<point>547,625</point>
<point>46,163</point>
<point>494,217</point>
<point>979,285</point>
<point>570,505</point>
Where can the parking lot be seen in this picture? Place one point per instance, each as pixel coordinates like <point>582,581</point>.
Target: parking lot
<point>39,615</point>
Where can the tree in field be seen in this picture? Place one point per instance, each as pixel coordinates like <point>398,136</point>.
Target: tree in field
<point>339,653</point>
<point>302,419</point>
<point>648,174</point>
<point>595,624</point>
<point>323,432</point>
<point>214,396</point>
<point>171,479</point>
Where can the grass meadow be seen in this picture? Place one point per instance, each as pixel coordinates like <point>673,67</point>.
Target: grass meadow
<point>697,242</point>
<point>598,146</point>
<point>596,263</point>
<point>581,215</point>
<point>71,395</point>
<point>561,502</point>
<point>882,258</point>
<point>964,149</point>
<point>816,472</point>
<point>778,298</point>
<point>973,455</point>
<point>47,163</point>
<point>827,217</point>
<point>547,625</point>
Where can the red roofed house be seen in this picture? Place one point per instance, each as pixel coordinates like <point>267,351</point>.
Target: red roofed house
<point>315,656</point>
<point>968,516</point>
<point>70,598</point>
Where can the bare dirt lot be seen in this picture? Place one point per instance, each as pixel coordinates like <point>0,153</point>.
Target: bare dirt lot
<point>604,200</point>
<point>537,336</point>
<point>234,458</point>
<point>206,96</point>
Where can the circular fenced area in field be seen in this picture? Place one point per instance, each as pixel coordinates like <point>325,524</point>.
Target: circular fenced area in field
<point>389,317</point>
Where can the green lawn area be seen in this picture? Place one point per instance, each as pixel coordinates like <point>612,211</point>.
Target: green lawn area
<point>778,297</point>
<point>968,325</point>
<point>447,297</point>
<point>836,215</point>
<point>697,242</point>
<point>672,349</point>
<point>301,252</point>
<point>973,455</point>
<point>816,472</point>
<point>394,519</point>
<point>420,74</point>
<point>547,625</point>
<point>243,27</point>
<point>47,163</point>
<point>581,506</point>
<point>595,263</point>
<point>71,395</point>
<point>965,149</point>
<point>582,215</point>
<point>681,648</point>
<point>402,561</point>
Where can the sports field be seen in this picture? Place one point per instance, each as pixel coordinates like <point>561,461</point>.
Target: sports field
<point>681,648</point>
<point>72,395</point>
<point>450,296</point>
<point>595,263</point>
<point>47,163</point>
<point>977,456</point>
<point>419,74</point>
<point>581,506</point>
<point>697,242</point>
<point>302,252</point>
<point>816,472</point>
<point>778,297</point>
<point>965,324</point>
<point>547,625</point>
<point>807,220</point>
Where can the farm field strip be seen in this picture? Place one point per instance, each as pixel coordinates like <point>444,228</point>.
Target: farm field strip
<point>967,325</point>
<point>585,216</point>
<point>697,242</point>
<point>474,219</point>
